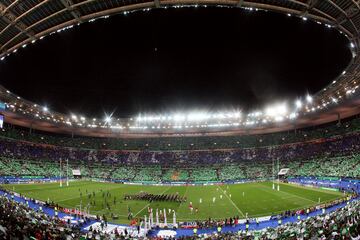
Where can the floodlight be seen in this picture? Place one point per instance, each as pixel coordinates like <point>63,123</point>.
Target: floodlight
<point>309,99</point>
<point>277,110</point>
<point>292,115</point>
<point>108,119</point>
<point>178,117</point>
<point>279,118</point>
<point>197,116</point>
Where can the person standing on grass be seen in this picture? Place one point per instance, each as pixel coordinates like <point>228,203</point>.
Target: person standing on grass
<point>191,207</point>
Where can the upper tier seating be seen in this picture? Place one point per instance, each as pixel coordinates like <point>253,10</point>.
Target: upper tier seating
<point>185,143</point>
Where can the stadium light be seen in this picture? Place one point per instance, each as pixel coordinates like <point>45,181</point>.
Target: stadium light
<point>237,115</point>
<point>348,92</point>
<point>107,119</point>
<point>45,109</point>
<point>279,118</point>
<point>309,99</point>
<point>197,116</point>
<point>292,115</point>
<point>179,117</point>
<point>276,110</point>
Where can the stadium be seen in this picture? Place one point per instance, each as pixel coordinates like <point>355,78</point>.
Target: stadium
<point>285,167</point>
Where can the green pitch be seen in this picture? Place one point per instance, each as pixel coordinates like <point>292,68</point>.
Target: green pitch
<point>254,199</point>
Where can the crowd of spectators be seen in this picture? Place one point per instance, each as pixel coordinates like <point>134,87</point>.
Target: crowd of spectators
<point>18,221</point>
<point>344,223</point>
<point>337,156</point>
<point>344,166</point>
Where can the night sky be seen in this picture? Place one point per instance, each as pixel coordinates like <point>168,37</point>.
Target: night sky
<point>177,59</point>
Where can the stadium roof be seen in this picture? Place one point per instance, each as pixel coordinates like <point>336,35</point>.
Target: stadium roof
<point>24,22</point>
<point>347,109</point>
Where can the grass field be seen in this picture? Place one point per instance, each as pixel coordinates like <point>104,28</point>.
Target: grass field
<point>255,199</point>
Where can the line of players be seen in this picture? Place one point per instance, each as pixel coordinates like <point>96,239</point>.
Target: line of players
<point>156,197</point>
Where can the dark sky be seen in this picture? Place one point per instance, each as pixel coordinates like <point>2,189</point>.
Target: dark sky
<point>162,60</point>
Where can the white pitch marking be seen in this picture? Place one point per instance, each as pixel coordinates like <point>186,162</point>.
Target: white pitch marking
<point>231,201</point>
